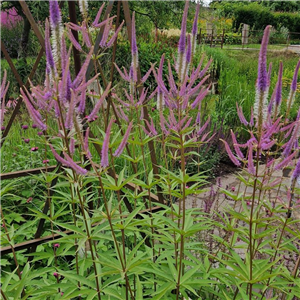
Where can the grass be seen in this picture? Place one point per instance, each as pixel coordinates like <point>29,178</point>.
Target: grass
<point>254,46</point>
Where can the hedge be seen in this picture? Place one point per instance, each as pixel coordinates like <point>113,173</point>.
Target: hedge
<point>258,17</point>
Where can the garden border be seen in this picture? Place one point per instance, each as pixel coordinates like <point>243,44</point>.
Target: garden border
<point>32,244</point>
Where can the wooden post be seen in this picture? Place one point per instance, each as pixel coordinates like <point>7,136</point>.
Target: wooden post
<point>245,35</point>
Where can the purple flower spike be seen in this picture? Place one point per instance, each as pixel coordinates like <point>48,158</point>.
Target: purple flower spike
<point>98,15</point>
<point>24,127</point>
<point>134,49</point>
<point>262,78</point>
<point>241,115</point>
<point>34,126</point>
<point>296,172</point>
<point>26,141</point>
<point>188,50</point>
<point>68,162</point>
<point>279,85</point>
<point>49,56</point>
<point>195,30</point>
<point>55,17</point>
<point>104,153</point>
<point>195,24</point>
<point>294,82</point>
<point>230,154</point>
<point>181,44</point>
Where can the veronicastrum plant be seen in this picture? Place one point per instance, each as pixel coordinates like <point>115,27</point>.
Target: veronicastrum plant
<point>115,248</point>
<point>264,219</point>
<point>116,254</point>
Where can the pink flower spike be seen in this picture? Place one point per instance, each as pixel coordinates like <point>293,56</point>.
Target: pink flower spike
<point>105,147</point>
<point>98,15</point>
<point>230,154</point>
<point>122,145</point>
<point>241,115</point>
<point>235,145</point>
<point>85,34</point>
<point>79,170</point>
<point>45,161</point>
<point>200,97</point>
<point>56,245</point>
<point>73,40</point>
<point>35,115</point>
<point>151,128</point>
<point>285,162</point>
<point>115,36</point>
<point>55,274</point>
<point>105,34</point>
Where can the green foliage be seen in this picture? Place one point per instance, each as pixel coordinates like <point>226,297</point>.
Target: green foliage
<point>11,38</point>
<point>261,13</point>
<point>253,14</point>
<point>151,53</point>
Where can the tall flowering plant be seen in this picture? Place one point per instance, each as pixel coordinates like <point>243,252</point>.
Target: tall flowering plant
<point>63,98</point>
<point>120,249</point>
<point>272,147</point>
